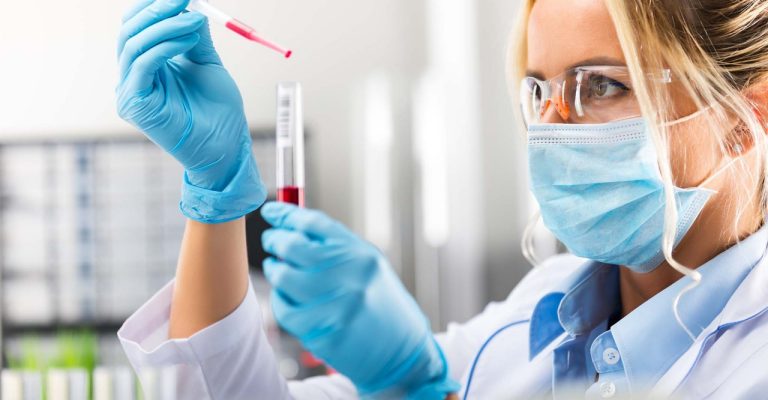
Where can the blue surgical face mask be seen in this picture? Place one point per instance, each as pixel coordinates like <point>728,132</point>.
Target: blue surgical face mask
<point>601,194</point>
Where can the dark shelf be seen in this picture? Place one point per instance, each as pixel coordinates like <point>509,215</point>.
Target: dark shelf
<point>100,327</point>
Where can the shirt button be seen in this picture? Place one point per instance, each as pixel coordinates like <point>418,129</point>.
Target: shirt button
<point>607,390</point>
<point>611,356</point>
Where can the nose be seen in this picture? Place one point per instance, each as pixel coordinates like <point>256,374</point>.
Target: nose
<point>552,112</point>
<point>556,110</point>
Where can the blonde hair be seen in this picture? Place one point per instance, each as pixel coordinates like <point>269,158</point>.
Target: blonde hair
<point>716,50</point>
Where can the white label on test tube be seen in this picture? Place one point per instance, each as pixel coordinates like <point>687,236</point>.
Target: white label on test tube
<point>290,143</point>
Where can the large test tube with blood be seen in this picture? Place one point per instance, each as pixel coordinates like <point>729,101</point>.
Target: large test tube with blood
<point>290,144</point>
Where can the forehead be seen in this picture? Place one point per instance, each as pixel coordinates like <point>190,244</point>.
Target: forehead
<point>564,33</point>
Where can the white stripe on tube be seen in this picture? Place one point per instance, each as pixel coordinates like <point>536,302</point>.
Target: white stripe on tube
<point>78,384</point>
<point>123,384</point>
<point>159,383</point>
<point>67,384</point>
<point>12,385</point>
<point>57,386</point>
<point>102,384</point>
<point>113,383</point>
<point>33,385</point>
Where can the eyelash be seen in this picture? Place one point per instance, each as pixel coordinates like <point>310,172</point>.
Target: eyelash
<point>609,81</point>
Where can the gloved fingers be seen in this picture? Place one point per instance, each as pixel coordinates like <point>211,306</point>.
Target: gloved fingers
<point>313,223</point>
<point>165,30</point>
<point>138,6</point>
<point>309,321</point>
<point>303,286</point>
<point>296,248</point>
<point>141,73</point>
<point>302,251</point>
<point>293,283</point>
<point>151,14</point>
<point>204,52</point>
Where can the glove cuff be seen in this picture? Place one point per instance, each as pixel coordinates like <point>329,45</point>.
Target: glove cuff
<point>435,391</point>
<point>439,388</point>
<point>243,194</point>
<point>409,381</point>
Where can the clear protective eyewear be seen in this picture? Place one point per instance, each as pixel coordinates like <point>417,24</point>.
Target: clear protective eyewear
<point>584,95</point>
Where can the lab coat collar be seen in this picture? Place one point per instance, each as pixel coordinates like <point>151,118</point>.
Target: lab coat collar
<point>650,340</point>
<point>748,301</point>
<point>751,297</point>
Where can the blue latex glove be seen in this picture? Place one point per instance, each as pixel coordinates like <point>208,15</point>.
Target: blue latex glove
<point>174,88</point>
<point>337,294</point>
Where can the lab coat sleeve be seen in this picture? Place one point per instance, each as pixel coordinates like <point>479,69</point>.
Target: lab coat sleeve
<point>461,341</point>
<point>231,359</point>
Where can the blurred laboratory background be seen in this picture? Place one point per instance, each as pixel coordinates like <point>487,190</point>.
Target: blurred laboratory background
<point>411,141</point>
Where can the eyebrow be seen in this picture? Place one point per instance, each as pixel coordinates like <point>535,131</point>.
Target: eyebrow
<point>589,61</point>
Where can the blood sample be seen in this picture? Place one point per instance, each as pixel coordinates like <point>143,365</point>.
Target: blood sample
<point>234,25</point>
<point>290,144</point>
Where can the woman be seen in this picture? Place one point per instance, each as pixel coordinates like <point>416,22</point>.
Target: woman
<point>646,138</point>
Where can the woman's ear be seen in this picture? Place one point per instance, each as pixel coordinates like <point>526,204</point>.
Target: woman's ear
<point>741,140</point>
<point>758,96</point>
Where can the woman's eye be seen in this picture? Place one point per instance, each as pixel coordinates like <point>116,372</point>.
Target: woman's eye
<point>602,87</point>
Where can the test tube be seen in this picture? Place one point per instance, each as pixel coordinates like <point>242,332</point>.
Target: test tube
<point>290,144</point>
<point>235,25</point>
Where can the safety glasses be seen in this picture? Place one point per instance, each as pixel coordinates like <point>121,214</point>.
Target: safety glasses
<point>583,95</point>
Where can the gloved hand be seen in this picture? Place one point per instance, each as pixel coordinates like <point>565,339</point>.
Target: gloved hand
<point>174,88</point>
<point>337,294</point>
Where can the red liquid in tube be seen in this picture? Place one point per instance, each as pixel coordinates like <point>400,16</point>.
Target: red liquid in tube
<point>291,194</point>
<point>249,33</point>
<point>290,144</point>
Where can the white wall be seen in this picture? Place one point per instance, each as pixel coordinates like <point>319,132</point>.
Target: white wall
<point>57,79</point>
<point>58,72</point>
<point>507,200</point>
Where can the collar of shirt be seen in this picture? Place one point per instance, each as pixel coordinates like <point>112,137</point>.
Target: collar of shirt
<point>584,299</point>
<point>590,295</point>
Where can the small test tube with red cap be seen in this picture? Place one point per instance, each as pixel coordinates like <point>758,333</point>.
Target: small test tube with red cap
<point>290,144</point>
<point>234,25</point>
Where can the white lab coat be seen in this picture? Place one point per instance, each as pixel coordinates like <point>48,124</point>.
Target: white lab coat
<point>232,360</point>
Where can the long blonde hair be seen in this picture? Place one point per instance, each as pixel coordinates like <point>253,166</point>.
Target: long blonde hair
<point>716,49</point>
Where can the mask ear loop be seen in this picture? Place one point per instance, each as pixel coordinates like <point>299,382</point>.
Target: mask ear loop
<point>687,118</point>
<point>692,273</point>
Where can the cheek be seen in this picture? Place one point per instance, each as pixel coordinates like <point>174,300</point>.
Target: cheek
<point>693,153</point>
